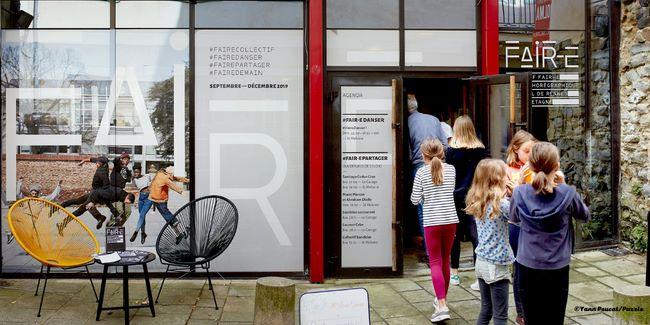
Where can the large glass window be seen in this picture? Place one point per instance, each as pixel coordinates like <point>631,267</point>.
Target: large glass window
<point>438,33</point>
<point>152,14</point>
<point>75,93</point>
<point>440,14</point>
<point>570,104</point>
<point>249,14</point>
<point>249,142</point>
<point>89,89</point>
<point>360,14</point>
<point>440,48</point>
<point>362,47</point>
<point>55,14</point>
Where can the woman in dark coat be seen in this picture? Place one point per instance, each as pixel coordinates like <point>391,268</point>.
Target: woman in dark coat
<point>464,153</point>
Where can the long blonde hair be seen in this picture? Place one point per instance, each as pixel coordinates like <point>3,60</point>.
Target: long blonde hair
<point>432,150</point>
<point>517,141</point>
<point>488,188</point>
<point>544,162</point>
<point>465,134</point>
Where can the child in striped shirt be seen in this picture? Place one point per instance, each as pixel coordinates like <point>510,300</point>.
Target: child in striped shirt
<point>433,186</point>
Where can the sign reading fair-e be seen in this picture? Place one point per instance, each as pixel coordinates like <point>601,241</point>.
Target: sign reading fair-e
<point>249,141</point>
<point>543,55</point>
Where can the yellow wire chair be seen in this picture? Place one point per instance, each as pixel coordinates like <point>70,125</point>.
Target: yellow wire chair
<point>33,223</point>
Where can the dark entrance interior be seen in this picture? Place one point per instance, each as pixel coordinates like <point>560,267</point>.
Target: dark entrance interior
<point>446,99</point>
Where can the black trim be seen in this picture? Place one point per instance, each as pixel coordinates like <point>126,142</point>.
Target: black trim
<point>305,136</point>
<point>615,112</point>
<point>192,99</point>
<point>402,35</point>
<point>192,275</point>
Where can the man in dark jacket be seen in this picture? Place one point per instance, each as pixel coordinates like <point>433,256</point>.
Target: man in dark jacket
<point>120,176</point>
<point>105,195</point>
<point>100,180</point>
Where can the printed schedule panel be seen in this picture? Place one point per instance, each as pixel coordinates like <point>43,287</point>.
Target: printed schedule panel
<point>366,176</point>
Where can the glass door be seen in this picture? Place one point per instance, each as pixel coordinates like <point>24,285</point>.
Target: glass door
<point>499,107</point>
<point>363,176</point>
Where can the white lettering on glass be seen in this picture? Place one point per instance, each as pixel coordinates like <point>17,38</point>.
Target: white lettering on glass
<point>259,194</point>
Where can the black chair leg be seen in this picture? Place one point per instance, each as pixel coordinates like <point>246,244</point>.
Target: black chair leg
<point>43,293</point>
<point>91,283</point>
<point>39,281</point>
<point>149,295</point>
<point>211,288</point>
<point>162,284</point>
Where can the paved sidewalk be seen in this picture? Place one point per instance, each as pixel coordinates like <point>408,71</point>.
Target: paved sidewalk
<point>402,301</point>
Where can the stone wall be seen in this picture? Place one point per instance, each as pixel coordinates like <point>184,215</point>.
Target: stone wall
<point>598,176</point>
<point>635,121</point>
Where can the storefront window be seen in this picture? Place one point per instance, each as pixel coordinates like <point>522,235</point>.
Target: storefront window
<point>249,141</point>
<point>440,48</point>
<point>55,14</point>
<point>362,48</point>
<point>249,14</point>
<point>79,93</point>
<point>152,107</point>
<point>377,14</point>
<point>152,14</point>
<point>440,14</point>
<point>570,101</point>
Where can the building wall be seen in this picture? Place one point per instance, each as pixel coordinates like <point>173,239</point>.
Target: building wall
<point>635,121</point>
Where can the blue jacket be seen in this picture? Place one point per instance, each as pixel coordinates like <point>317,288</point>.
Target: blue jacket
<point>546,237</point>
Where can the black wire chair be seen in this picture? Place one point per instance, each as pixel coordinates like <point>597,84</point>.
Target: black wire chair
<point>210,224</point>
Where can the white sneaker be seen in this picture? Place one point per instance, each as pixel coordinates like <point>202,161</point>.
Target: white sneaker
<point>436,306</point>
<point>475,286</point>
<point>440,315</point>
<point>454,279</point>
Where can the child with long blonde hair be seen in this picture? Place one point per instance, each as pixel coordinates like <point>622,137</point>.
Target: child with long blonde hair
<point>487,202</point>
<point>544,211</point>
<point>433,187</point>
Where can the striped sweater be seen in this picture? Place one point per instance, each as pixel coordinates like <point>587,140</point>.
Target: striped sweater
<point>437,200</point>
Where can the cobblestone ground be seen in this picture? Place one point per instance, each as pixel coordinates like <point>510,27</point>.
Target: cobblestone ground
<point>405,300</point>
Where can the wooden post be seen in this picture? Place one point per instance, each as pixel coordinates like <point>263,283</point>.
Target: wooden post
<point>275,301</point>
<point>634,303</point>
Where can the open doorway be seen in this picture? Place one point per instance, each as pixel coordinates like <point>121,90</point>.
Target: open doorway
<point>446,99</point>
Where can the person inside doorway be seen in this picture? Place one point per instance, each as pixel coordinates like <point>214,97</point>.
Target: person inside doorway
<point>421,127</point>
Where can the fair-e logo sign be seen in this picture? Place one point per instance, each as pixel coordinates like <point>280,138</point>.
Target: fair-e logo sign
<point>542,55</point>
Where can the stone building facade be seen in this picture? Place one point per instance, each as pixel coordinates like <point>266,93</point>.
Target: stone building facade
<point>635,121</point>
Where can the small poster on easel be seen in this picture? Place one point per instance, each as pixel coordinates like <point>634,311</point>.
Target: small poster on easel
<point>115,239</point>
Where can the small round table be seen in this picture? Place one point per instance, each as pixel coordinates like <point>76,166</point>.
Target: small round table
<point>125,262</point>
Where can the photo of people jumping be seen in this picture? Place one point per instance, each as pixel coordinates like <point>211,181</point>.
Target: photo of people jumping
<point>116,185</point>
